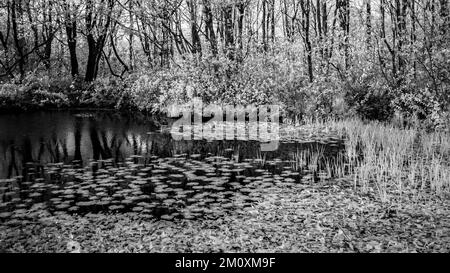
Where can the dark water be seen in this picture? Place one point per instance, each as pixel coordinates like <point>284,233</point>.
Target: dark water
<point>80,162</point>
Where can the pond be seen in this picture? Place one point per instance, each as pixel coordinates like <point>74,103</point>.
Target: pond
<point>101,161</point>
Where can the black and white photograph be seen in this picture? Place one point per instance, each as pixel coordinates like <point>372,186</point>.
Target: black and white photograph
<point>225,126</point>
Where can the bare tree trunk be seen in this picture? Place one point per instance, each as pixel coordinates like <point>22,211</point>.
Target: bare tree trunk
<point>333,30</point>
<point>209,26</point>
<point>272,20</point>
<point>385,42</point>
<point>19,41</point>
<point>229,31</point>
<point>92,63</point>
<point>48,33</point>
<point>325,27</point>
<point>286,25</point>
<point>319,26</point>
<point>306,11</point>
<point>4,38</point>
<point>445,19</point>
<point>263,25</point>
<point>413,36</point>
<point>400,30</point>
<point>368,24</point>
<point>95,46</point>
<point>240,25</point>
<point>196,45</point>
<point>343,7</point>
<point>131,36</point>
<point>71,33</point>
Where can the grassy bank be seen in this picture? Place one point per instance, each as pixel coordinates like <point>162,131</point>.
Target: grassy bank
<point>394,160</point>
<point>386,158</point>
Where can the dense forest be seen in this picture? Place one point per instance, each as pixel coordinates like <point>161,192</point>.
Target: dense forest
<point>316,58</point>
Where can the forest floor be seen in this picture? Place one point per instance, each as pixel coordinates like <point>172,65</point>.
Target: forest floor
<point>322,217</point>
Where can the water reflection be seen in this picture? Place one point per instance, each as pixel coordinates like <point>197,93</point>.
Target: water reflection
<point>51,137</point>
<point>88,162</point>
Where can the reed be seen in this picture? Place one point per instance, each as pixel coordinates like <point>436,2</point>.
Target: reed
<point>396,160</point>
<point>391,160</point>
<point>313,159</point>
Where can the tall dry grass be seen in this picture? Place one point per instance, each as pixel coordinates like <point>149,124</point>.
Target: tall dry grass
<point>396,160</point>
<point>393,161</point>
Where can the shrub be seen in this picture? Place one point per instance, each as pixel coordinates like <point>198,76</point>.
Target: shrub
<point>11,96</point>
<point>370,104</point>
<point>104,93</point>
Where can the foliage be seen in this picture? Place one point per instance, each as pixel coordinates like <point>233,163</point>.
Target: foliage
<point>106,93</point>
<point>32,94</point>
<point>289,219</point>
<point>370,103</point>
